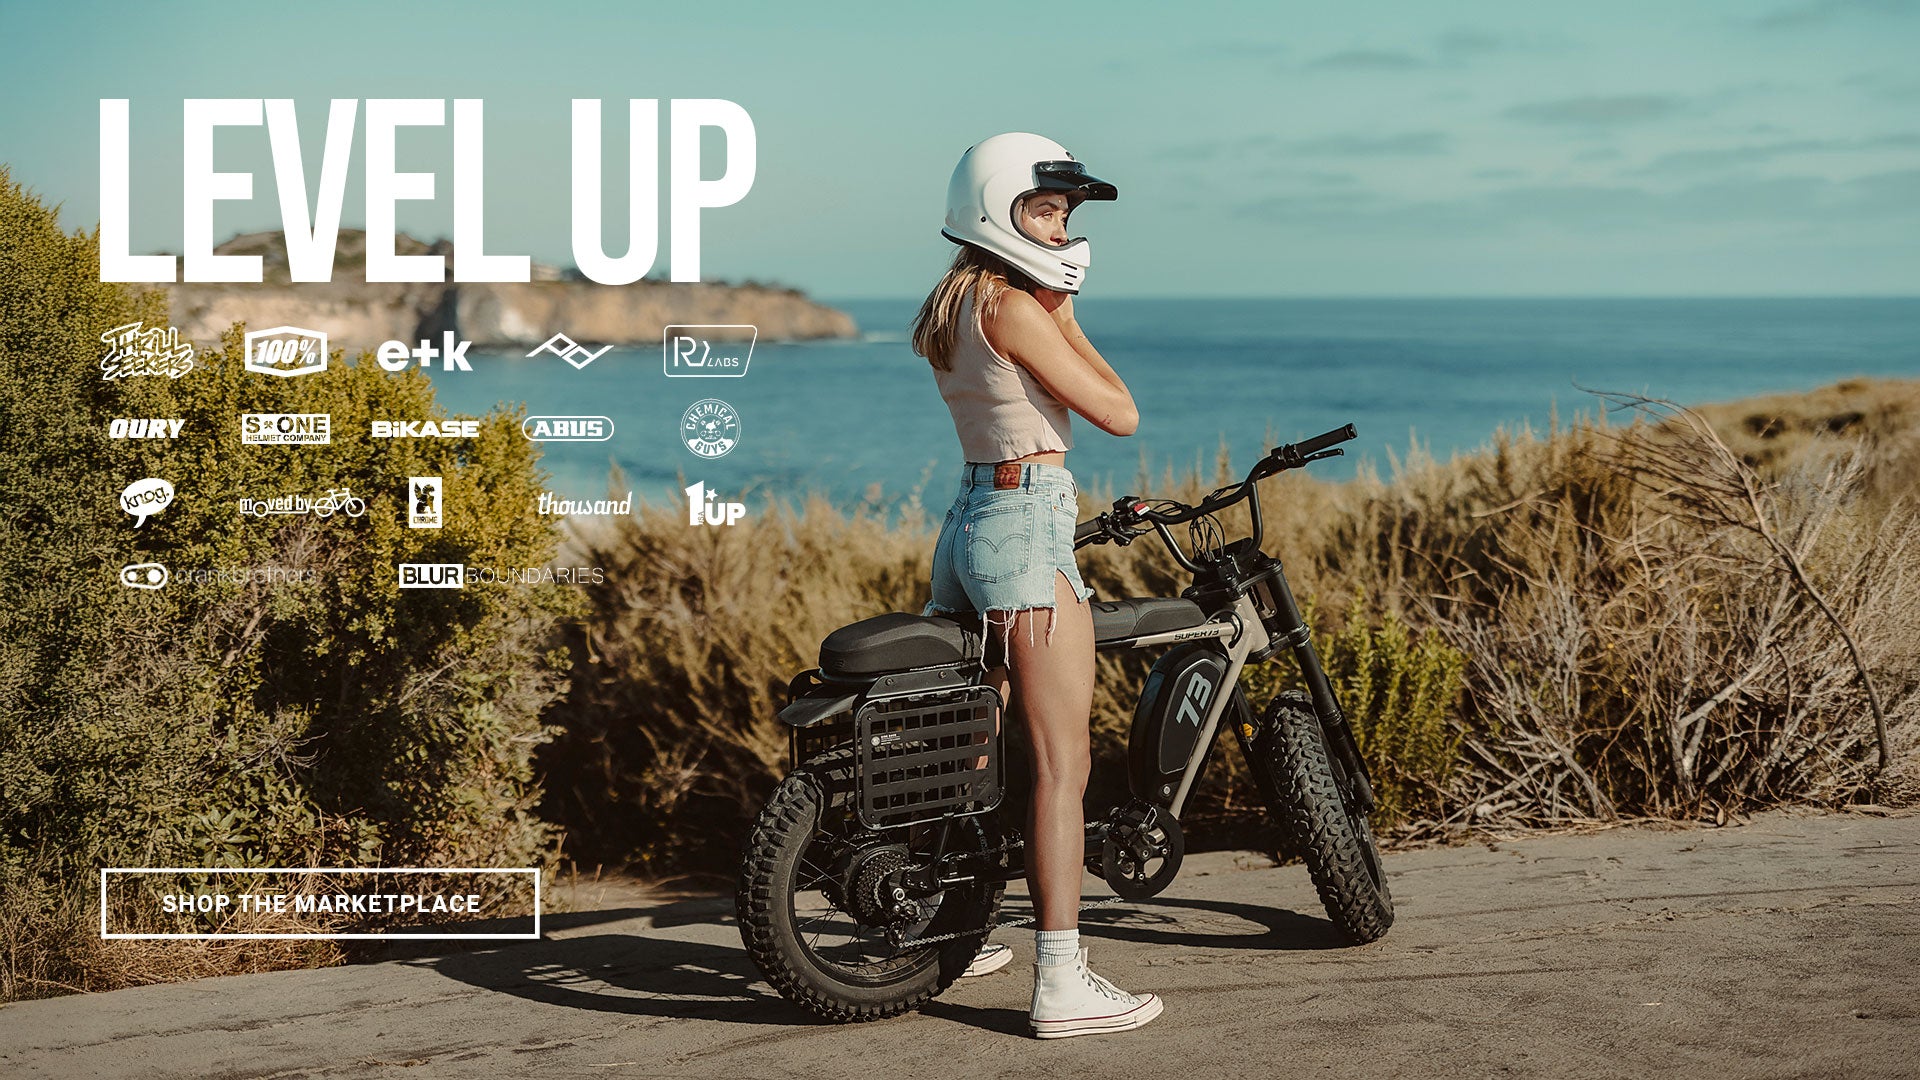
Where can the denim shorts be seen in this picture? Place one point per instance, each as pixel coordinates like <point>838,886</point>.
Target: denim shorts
<point>1001,547</point>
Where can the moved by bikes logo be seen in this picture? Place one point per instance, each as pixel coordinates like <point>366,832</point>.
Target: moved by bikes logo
<point>710,428</point>
<point>423,502</point>
<point>286,429</point>
<point>121,428</point>
<point>341,500</point>
<point>426,429</point>
<point>134,350</point>
<point>707,352</point>
<point>566,428</point>
<point>145,498</point>
<point>553,505</point>
<point>569,350</point>
<point>286,351</point>
<point>706,507</point>
<point>452,354</point>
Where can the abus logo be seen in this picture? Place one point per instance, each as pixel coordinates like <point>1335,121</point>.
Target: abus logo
<point>433,575</point>
<point>286,429</point>
<point>393,355</point>
<point>705,508</point>
<point>287,351</point>
<point>708,352</point>
<point>423,502</point>
<point>569,350</point>
<point>567,428</point>
<point>426,429</point>
<point>132,350</point>
<point>145,429</point>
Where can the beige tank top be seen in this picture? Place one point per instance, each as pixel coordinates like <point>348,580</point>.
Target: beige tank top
<point>1000,410</point>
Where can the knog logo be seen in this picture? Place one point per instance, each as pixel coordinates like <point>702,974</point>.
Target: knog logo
<point>432,575</point>
<point>710,428</point>
<point>423,502</point>
<point>394,355</point>
<point>707,352</point>
<point>705,508</point>
<point>566,428</point>
<point>286,351</point>
<point>340,499</point>
<point>145,429</point>
<point>569,350</point>
<point>426,429</point>
<point>145,575</point>
<point>286,429</point>
<point>133,351</point>
<point>145,498</point>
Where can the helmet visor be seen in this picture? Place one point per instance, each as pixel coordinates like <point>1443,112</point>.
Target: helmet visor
<point>1071,177</point>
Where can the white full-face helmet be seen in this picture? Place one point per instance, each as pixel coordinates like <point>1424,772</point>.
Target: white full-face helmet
<point>987,186</point>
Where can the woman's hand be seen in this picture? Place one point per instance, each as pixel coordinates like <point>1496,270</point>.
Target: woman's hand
<point>1057,304</point>
<point>1056,352</point>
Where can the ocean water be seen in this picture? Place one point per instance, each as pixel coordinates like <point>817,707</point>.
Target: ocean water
<point>861,420</point>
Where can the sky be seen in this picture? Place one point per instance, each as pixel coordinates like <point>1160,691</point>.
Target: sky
<point>1547,147</point>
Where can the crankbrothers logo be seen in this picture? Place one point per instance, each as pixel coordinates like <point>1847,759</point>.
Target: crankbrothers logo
<point>145,575</point>
<point>133,350</point>
<point>286,351</point>
<point>423,502</point>
<point>569,350</point>
<point>706,508</point>
<point>567,428</point>
<point>286,429</point>
<point>708,352</point>
<point>341,500</point>
<point>710,428</point>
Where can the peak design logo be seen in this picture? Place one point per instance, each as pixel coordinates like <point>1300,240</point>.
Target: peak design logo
<point>708,352</point>
<point>145,498</point>
<point>286,429</point>
<point>569,350</point>
<point>132,350</point>
<point>423,502</point>
<point>340,499</point>
<point>710,428</point>
<point>286,351</point>
<point>394,355</point>
<point>705,508</point>
<point>566,428</point>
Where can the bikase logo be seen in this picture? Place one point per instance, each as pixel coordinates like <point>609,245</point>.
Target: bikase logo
<point>286,351</point>
<point>133,350</point>
<point>394,355</point>
<point>340,499</point>
<point>569,350</point>
<point>553,505</point>
<point>426,429</point>
<point>707,352</point>
<point>567,428</point>
<point>286,429</point>
<point>710,428</point>
<point>433,575</point>
<point>145,429</point>
<point>705,508</point>
<point>423,502</point>
<point>145,498</point>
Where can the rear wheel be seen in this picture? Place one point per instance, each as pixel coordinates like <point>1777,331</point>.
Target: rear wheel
<point>1312,805</point>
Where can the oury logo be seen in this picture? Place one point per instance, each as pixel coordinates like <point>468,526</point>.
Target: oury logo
<point>705,508</point>
<point>423,502</point>
<point>708,352</point>
<point>710,428</point>
<point>569,350</point>
<point>132,351</point>
<point>393,355</point>
<point>567,428</point>
<point>286,351</point>
<point>145,429</point>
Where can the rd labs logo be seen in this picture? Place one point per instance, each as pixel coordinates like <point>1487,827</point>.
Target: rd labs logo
<point>423,502</point>
<point>133,350</point>
<point>286,429</point>
<point>286,351</point>
<point>708,352</point>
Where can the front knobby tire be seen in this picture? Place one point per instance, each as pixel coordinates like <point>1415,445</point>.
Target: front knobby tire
<point>788,847</point>
<point>1316,823</point>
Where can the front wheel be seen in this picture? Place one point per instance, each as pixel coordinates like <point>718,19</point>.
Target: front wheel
<point>1310,805</point>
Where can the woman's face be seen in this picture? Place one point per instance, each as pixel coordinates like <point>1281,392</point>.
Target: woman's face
<point>1044,217</point>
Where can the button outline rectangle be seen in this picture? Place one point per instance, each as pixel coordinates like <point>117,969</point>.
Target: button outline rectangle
<point>534,870</point>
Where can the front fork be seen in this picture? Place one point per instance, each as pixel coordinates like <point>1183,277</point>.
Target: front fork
<point>1333,723</point>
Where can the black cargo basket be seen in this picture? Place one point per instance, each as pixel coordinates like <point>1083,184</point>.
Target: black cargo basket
<point>915,754</point>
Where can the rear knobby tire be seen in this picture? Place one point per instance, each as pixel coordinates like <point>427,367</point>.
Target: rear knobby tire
<point>820,791</point>
<point>1315,822</point>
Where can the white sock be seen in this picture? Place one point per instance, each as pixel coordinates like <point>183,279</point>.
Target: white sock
<point>1057,946</point>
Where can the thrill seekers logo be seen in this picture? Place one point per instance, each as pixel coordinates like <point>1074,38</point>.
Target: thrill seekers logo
<point>706,508</point>
<point>132,350</point>
<point>710,428</point>
<point>569,350</point>
<point>423,502</point>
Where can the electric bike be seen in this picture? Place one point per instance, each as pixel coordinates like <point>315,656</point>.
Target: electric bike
<point>876,870</point>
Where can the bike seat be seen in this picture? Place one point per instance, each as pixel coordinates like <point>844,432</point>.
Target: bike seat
<point>1140,615</point>
<point>896,642</point>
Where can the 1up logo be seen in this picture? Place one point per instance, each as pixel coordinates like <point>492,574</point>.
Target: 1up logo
<point>705,508</point>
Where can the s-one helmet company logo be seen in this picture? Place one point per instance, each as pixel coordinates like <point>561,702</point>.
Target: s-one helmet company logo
<point>423,502</point>
<point>708,352</point>
<point>567,428</point>
<point>134,350</point>
<point>286,429</point>
<point>286,351</point>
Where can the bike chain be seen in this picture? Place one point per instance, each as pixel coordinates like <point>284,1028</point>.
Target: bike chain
<point>990,928</point>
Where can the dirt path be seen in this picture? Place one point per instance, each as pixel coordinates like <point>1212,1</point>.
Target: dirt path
<point>1789,947</point>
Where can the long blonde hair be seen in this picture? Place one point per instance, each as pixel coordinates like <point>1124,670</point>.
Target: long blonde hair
<point>977,273</point>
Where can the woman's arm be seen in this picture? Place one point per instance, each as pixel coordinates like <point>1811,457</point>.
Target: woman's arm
<point>1064,361</point>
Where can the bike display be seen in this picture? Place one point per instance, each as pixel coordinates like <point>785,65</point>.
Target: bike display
<point>876,870</point>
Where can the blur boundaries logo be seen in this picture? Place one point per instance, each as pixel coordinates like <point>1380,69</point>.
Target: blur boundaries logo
<point>423,502</point>
<point>286,429</point>
<point>708,352</point>
<point>567,428</point>
<point>706,508</point>
<point>433,575</point>
<point>311,221</point>
<point>133,350</point>
<point>286,351</point>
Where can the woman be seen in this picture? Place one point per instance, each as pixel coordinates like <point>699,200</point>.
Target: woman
<point>1010,360</point>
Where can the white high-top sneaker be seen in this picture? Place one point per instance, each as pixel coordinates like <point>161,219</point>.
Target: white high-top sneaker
<point>1068,999</point>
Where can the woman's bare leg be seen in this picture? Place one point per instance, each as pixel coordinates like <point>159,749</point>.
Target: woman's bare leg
<point>1053,692</point>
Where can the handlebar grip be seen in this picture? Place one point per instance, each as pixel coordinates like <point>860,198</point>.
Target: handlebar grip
<point>1088,529</point>
<point>1321,442</point>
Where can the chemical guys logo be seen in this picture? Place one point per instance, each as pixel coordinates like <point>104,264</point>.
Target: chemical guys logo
<point>705,508</point>
<point>566,428</point>
<point>121,428</point>
<point>569,350</point>
<point>708,352</point>
<point>423,502</point>
<point>133,350</point>
<point>286,351</point>
<point>452,354</point>
<point>286,429</point>
<point>710,428</point>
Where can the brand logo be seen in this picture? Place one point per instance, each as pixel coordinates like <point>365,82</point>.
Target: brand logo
<point>570,350</point>
<point>553,505</point>
<point>705,508</point>
<point>145,575</point>
<point>567,428</point>
<point>340,499</point>
<point>426,429</point>
<point>433,575</point>
<point>286,351</point>
<point>423,502</point>
<point>286,429</point>
<point>394,355</point>
<point>708,352</point>
<point>710,427</point>
<point>145,429</point>
<point>132,351</point>
<point>1194,704</point>
<point>145,498</point>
